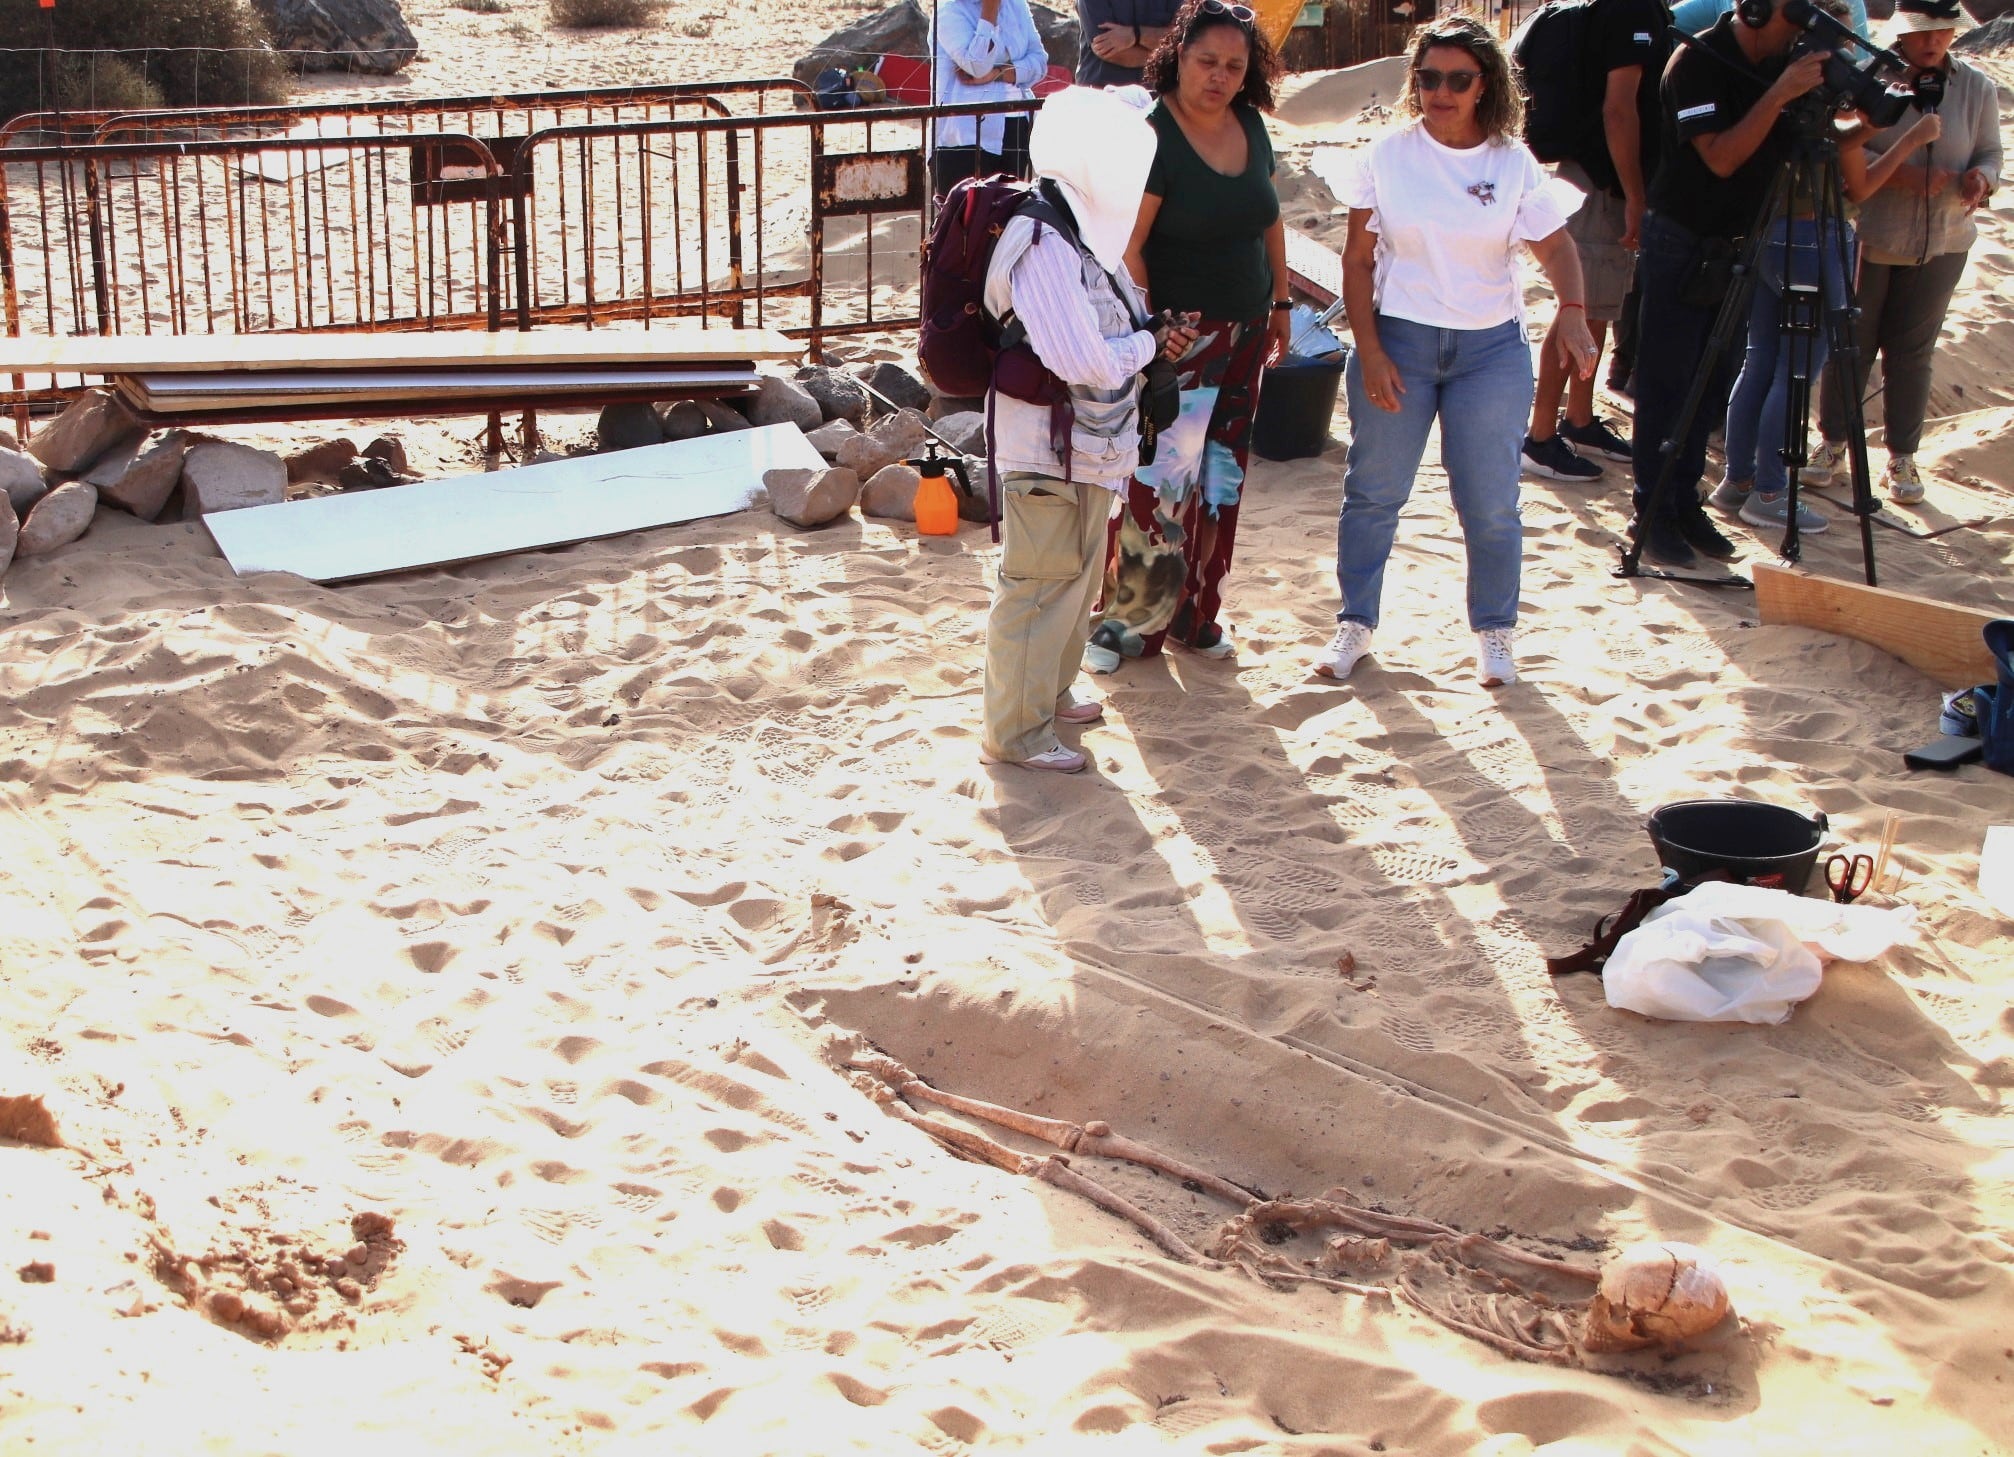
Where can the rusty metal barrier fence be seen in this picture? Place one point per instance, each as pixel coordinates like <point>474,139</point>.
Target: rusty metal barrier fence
<point>618,207</point>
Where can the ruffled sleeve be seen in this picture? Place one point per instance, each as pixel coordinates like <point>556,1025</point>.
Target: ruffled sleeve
<point>1545,205</point>
<point>1351,178</point>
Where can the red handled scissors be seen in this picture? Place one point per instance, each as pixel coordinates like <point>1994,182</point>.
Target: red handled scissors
<point>1849,876</point>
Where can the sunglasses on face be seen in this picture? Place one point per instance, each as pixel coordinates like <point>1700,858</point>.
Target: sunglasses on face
<point>1428,79</point>
<point>1243,14</point>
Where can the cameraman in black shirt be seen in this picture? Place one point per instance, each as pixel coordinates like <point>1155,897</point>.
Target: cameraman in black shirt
<point>1725,135</point>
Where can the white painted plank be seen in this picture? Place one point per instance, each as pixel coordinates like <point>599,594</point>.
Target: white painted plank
<point>421,382</point>
<point>180,353</point>
<point>431,523</point>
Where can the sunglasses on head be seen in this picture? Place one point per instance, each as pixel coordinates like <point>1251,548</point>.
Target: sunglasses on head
<point>1243,14</point>
<point>1428,79</point>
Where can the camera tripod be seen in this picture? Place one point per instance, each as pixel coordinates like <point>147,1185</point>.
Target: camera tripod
<point>1808,174</point>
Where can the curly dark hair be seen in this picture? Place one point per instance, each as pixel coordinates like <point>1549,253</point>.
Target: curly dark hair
<point>1500,112</point>
<point>1162,73</point>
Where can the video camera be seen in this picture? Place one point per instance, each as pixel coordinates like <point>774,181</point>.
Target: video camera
<point>1865,86</point>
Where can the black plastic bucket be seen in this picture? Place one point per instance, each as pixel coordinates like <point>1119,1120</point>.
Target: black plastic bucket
<point>1296,400</point>
<point>1759,844</point>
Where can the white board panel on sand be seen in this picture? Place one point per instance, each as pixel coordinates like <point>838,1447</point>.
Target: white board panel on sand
<point>433,523</point>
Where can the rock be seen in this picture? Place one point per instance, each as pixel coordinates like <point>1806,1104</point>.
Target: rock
<point>21,479</point>
<point>114,463</point>
<point>864,455</point>
<point>966,431</point>
<point>827,438</point>
<point>628,426</point>
<point>975,506</point>
<point>146,484</point>
<point>839,395</point>
<point>218,475</point>
<point>10,533</point>
<point>392,451</point>
<point>723,416</point>
<point>94,424</point>
<point>1059,32</point>
<point>901,435</point>
<point>1993,37</point>
<point>779,401</point>
<point>322,460</point>
<point>368,473</point>
<point>891,494</point>
<point>340,35</point>
<point>900,30</point>
<point>58,519</point>
<point>684,420</point>
<point>898,387</point>
<point>812,497</point>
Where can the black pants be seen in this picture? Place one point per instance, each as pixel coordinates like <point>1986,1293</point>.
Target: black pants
<point>948,164</point>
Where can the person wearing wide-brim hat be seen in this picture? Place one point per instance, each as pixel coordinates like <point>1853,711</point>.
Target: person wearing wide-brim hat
<point>1915,234</point>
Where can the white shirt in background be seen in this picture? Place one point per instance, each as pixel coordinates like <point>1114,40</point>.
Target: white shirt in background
<point>964,42</point>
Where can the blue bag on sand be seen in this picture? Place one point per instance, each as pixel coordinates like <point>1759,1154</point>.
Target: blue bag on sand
<point>1996,701</point>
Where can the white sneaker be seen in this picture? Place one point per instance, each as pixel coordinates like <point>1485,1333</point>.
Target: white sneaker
<point>1900,482</point>
<point>1495,663</point>
<point>1080,710</point>
<point>1345,650</point>
<point>1827,464</point>
<point>1100,659</point>
<point>1058,760</point>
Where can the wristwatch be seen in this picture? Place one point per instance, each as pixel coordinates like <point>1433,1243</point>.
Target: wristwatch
<point>1283,305</point>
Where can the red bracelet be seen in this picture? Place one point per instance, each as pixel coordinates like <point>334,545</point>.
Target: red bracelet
<point>1570,304</point>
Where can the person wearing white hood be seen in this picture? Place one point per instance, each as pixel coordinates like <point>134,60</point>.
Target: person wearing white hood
<point>1087,323</point>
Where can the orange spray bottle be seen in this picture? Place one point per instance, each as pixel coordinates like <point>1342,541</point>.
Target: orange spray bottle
<point>936,503</point>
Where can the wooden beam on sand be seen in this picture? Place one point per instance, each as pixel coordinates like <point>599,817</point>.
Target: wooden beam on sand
<point>440,349</point>
<point>1937,639</point>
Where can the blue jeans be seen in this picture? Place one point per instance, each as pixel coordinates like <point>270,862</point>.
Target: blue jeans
<point>1478,384</point>
<point>1672,339</point>
<point>1755,413</point>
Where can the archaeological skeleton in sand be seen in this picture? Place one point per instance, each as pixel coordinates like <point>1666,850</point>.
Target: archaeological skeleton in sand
<point>1521,1304</point>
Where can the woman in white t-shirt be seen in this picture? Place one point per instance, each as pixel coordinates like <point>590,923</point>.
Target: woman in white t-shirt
<point>1430,281</point>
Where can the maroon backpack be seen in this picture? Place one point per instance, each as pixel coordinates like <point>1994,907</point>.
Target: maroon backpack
<point>960,340</point>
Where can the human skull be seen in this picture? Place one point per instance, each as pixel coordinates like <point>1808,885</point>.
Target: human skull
<point>1655,1295</point>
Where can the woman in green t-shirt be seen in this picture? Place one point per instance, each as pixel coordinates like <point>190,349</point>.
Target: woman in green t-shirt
<point>1209,242</point>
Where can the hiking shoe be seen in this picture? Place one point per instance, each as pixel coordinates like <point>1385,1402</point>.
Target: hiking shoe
<point>1705,538</point>
<point>1554,459</point>
<point>1730,494</point>
<point>1495,665</point>
<point>1058,760</point>
<point>1666,545</point>
<point>1345,650</point>
<point>1596,436</point>
<point>1761,510</point>
<point>1900,481</point>
<point>1827,464</point>
<point>1081,710</point>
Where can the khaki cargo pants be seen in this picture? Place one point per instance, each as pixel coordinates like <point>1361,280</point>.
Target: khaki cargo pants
<point>1051,560</point>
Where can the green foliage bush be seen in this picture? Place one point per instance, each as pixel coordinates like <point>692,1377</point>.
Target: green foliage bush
<point>147,52</point>
<point>581,14</point>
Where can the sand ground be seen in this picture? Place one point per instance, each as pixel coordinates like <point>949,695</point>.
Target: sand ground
<point>536,904</point>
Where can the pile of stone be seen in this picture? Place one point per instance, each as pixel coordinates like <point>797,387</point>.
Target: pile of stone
<point>96,456</point>
<point>866,420</point>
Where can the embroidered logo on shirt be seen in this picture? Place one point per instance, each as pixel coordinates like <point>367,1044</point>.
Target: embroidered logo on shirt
<point>1484,193</point>
<point>1642,37</point>
<point>1688,113</point>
